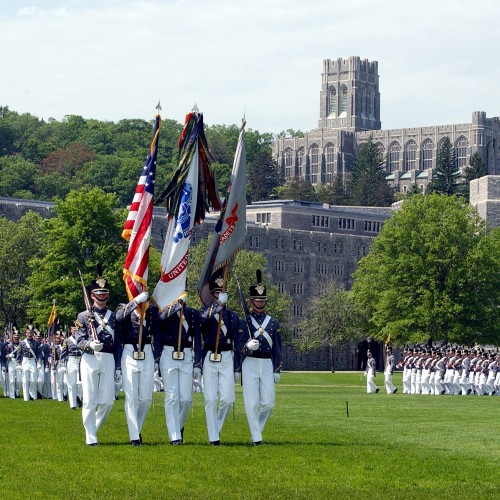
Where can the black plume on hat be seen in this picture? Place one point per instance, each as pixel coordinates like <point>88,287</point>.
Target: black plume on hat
<point>258,291</point>
<point>217,281</point>
<point>100,284</point>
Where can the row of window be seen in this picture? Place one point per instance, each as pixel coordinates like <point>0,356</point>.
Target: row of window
<point>395,156</point>
<point>323,268</point>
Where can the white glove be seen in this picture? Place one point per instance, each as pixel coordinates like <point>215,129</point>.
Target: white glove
<point>46,369</point>
<point>62,369</point>
<point>118,376</point>
<point>96,346</point>
<point>223,297</point>
<point>252,344</point>
<point>142,297</point>
<point>11,355</point>
<point>276,378</point>
<point>197,374</point>
<point>3,369</point>
<point>157,367</point>
<point>237,377</point>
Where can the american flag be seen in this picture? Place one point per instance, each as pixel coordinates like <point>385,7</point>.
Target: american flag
<point>137,229</point>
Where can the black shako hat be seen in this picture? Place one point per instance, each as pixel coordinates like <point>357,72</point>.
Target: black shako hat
<point>217,280</point>
<point>100,284</point>
<point>258,291</point>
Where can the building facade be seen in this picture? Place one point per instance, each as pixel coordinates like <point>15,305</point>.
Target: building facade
<point>350,115</point>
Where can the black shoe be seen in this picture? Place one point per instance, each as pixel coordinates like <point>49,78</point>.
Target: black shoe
<point>176,442</point>
<point>182,434</point>
<point>73,407</point>
<point>65,398</point>
<point>140,437</point>
<point>92,444</point>
<point>78,402</point>
<point>215,443</point>
<point>257,443</point>
<point>39,396</point>
<point>442,392</point>
<point>376,390</point>
<point>395,390</point>
<point>135,442</point>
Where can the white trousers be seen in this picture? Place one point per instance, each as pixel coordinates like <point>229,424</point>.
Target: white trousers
<point>258,393</point>
<point>426,387</point>
<point>406,380</point>
<point>389,386</point>
<point>98,388</point>
<point>30,378</point>
<point>73,380</point>
<point>177,378</point>
<point>137,375</point>
<point>464,383</point>
<point>218,387</point>
<point>4,377</point>
<point>15,378</point>
<point>57,383</point>
<point>438,386</point>
<point>370,384</point>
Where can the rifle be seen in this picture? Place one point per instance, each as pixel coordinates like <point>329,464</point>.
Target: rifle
<point>88,307</point>
<point>246,312</point>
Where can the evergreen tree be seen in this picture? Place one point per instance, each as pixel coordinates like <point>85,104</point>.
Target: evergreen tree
<point>474,170</point>
<point>369,183</point>
<point>263,176</point>
<point>446,178</point>
<point>334,193</point>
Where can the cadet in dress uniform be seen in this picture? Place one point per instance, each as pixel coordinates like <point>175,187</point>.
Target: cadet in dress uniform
<point>137,362</point>
<point>389,369</point>
<point>100,364</point>
<point>41,364</point>
<point>178,352</point>
<point>29,355</point>
<point>14,367</point>
<point>4,374</point>
<point>220,359</point>
<point>260,346</point>
<point>71,356</point>
<point>370,373</point>
<point>57,368</point>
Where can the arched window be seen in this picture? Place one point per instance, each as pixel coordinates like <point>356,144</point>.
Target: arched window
<point>410,156</point>
<point>343,100</point>
<point>332,103</point>
<point>461,152</point>
<point>369,103</point>
<point>394,150</point>
<point>314,163</point>
<point>300,161</point>
<point>381,151</point>
<point>330,162</point>
<point>363,102</point>
<point>427,150</point>
<point>288,159</point>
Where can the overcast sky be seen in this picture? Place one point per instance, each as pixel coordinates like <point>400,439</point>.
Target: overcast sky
<point>113,59</point>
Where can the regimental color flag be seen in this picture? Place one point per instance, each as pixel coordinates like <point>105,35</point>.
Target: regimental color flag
<point>137,229</point>
<point>188,196</point>
<point>53,321</point>
<point>230,231</point>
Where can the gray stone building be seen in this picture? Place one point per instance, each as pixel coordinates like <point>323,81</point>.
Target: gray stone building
<point>350,114</point>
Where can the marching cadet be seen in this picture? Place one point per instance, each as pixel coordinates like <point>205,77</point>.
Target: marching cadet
<point>137,362</point>
<point>29,355</point>
<point>260,346</point>
<point>71,355</point>
<point>370,373</point>
<point>178,351</point>
<point>4,374</point>
<point>220,361</point>
<point>57,368</point>
<point>41,365</point>
<point>464,376</point>
<point>426,373</point>
<point>99,341</point>
<point>439,374</point>
<point>14,368</point>
<point>472,373</point>
<point>389,369</point>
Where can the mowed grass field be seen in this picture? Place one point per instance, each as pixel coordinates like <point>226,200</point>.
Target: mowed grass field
<point>390,446</point>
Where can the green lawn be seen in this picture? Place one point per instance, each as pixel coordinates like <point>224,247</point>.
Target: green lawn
<point>390,446</point>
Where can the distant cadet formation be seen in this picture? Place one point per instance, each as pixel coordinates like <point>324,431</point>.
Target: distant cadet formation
<point>179,350</point>
<point>441,371</point>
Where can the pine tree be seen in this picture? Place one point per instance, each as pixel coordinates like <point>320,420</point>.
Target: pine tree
<point>474,170</point>
<point>446,178</point>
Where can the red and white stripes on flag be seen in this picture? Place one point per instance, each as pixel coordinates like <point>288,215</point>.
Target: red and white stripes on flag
<point>137,229</point>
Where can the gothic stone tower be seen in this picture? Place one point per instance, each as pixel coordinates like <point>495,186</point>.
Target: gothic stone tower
<point>350,97</point>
